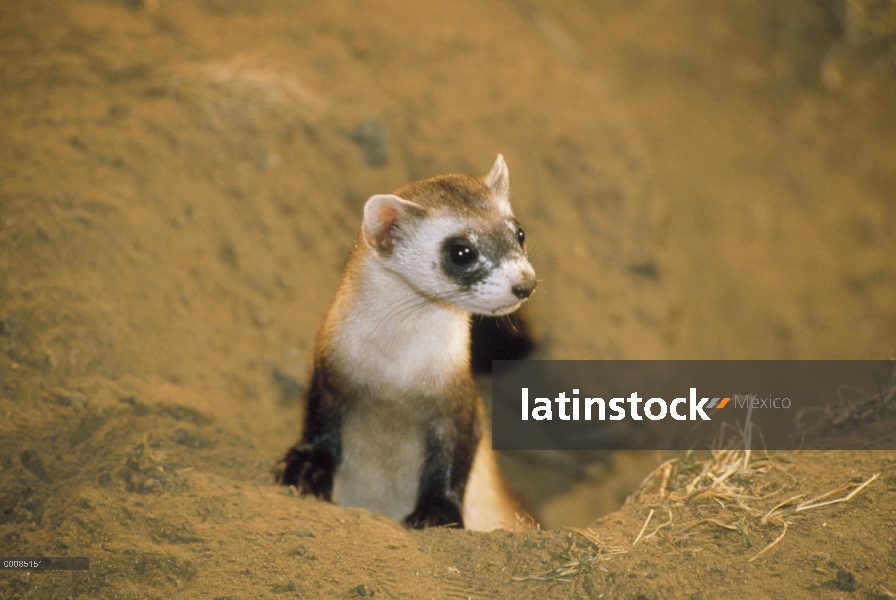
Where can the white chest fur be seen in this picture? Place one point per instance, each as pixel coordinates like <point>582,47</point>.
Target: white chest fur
<point>400,351</point>
<point>382,458</point>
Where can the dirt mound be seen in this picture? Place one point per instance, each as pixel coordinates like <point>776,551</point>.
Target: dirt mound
<point>180,185</point>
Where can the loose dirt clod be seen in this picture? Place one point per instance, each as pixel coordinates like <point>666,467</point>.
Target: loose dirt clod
<point>847,580</point>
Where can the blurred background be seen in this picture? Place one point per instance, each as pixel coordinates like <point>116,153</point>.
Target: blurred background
<point>181,182</point>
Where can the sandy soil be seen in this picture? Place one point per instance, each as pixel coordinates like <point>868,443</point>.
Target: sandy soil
<point>179,187</point>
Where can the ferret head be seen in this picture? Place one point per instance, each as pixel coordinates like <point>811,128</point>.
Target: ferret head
<point>454,240</point>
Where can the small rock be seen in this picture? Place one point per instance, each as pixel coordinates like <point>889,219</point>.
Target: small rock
<point>847,580</point>
<point>181,436</point>
<point>305,532</point>
<point>32,462</point>
<point>364,591</point>
<point>371,136</point>
<point>65,397</point>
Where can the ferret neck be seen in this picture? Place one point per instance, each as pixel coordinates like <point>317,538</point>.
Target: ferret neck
<point>389,332</point>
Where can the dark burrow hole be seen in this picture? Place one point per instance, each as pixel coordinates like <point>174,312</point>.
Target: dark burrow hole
<point>499,338</point>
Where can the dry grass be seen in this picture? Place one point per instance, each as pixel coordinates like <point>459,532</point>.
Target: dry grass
<point>854,405</point>
<point>579,560</point>
<point>742,485</point>
<point>738,482</point>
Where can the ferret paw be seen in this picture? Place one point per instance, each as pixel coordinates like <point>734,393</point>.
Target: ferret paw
<point>435,512</point>
<point>309,470</point>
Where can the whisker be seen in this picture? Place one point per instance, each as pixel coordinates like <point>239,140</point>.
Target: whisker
<point>511,321</point>
<point>398,317</point>
<point>403,310</point>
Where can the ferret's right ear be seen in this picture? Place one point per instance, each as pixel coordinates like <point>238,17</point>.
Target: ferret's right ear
<point>498,181</point>
<point>383,216</point>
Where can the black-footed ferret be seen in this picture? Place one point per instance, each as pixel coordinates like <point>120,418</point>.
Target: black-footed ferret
<point>393,421</point>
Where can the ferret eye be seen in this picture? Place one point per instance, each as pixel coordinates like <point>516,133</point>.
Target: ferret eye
<point>461,254</point>
<point>521,236</point>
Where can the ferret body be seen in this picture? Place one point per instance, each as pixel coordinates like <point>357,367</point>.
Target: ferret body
<point>393,421</point>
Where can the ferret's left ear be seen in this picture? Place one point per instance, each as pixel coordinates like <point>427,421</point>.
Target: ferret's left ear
<point>384,215</point>
<point>498,181</point>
